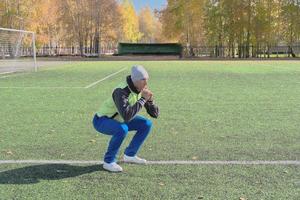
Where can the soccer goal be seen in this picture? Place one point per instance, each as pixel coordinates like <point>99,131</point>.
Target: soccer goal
<point>17,51</point>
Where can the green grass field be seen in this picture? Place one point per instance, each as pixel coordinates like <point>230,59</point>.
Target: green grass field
<point>210,110</point>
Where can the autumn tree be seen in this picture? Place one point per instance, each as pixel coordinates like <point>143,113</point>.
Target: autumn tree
<point>130,22</point>
<point>147,24</point>
<point>291,22</point>
<point>183,22</point>
<point>91,22</point>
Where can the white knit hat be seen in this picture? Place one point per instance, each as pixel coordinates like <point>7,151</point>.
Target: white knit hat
<point>138,72</point>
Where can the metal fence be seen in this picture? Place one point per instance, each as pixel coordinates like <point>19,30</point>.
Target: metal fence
<point>242,51</point>
<point>12,52</point>
<point>292,51</point>
<point>74,51</point>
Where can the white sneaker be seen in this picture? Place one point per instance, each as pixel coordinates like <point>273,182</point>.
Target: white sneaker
<point>134,159</point>
<point>112,167</point>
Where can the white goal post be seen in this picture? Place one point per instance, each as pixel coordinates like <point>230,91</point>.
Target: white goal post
<point>17,51</point>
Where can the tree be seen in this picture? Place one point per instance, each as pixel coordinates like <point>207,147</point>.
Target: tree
<point>90,23</point>
<point>231,27</point>
<point>147,24</point>
<point>130,22</point>
<point>183,22</point>
<point>291,22</point>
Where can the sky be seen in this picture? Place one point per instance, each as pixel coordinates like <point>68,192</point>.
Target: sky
<point>154,4</point>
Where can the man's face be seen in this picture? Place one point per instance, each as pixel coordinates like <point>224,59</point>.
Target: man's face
<point>140,84</point>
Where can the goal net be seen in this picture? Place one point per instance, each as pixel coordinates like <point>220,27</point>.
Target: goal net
<point>17,51</point>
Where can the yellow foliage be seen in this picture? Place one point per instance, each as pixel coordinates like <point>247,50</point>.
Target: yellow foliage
<point>147,24</point>
<point>130,23</point>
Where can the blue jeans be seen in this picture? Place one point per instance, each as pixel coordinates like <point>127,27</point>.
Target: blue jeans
<point>119,131</point>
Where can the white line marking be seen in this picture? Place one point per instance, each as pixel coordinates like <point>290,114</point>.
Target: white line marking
<point>11,72</point>
<point>41,88</point>
<point>12,75</point>
<point>5,76</point>
<point>227,162</point>
<point>86,87</point>
<point>22,73</point>
<point>162,162</point>
<point>91,85</point>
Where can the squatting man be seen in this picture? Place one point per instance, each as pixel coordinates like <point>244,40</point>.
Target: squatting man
<point>119,114</point>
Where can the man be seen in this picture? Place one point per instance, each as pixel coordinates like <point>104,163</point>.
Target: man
<point>118,115</point>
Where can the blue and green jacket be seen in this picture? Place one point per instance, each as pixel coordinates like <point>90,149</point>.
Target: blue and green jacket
<point>126,102</point>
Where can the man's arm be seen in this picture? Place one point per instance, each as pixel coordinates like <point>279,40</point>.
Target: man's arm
<point>127,112</point>
<point>152,109</point>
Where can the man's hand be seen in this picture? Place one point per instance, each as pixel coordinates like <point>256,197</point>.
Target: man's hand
<point>147,94</point>
<point>151,98</point>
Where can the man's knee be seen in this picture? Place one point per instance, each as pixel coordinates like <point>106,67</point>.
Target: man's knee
<point>123,130</point>
<point>147,123</point>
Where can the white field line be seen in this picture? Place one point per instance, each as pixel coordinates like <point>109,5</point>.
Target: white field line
<point>95,83</point>
<point>14,74</point>
<point>162,162</point>
<point>41,88</point>
<point>4,77</point>
<point>86,87</point>
<point>11,72</point>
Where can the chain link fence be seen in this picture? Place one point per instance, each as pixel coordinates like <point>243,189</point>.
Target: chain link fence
<point>292,51</point>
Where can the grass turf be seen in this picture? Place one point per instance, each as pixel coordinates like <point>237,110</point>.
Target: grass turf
<point>210,110</point>
<point>149,182</point>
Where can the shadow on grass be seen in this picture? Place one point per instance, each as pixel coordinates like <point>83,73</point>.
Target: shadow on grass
<point>32,174</point>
